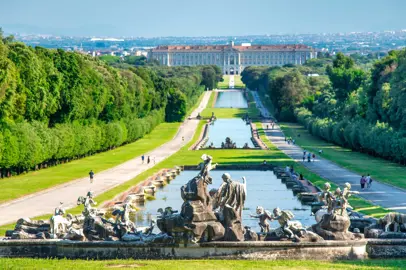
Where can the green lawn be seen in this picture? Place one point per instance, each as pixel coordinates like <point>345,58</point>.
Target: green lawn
<point>379,169</point>
<point>225,84</point>
<point>17,186</point>
<point>19,263</point>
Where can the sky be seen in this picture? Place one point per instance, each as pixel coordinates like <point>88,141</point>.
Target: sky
<point>154,18</point>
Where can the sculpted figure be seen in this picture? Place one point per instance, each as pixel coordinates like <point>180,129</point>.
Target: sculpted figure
<point>87,203</point>
<point>231,193</point>
<point>345,196</point>
<point>230,203</point>
<point>205,167</point>
<point>58,223</point>
<point>263,216</point>
<point>284,217</point>
<point>327,197</point>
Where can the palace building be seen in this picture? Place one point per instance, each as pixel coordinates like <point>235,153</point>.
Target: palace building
<point>230,58</point>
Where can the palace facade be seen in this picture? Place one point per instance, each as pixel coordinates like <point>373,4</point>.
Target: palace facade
<point>230,58</point>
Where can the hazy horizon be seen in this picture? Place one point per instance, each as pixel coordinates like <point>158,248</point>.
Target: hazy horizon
<point>189,18</point>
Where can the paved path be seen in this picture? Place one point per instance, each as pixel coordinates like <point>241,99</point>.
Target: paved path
<point>387,196</point>
<point>44,202</point>
<point>231,81</point>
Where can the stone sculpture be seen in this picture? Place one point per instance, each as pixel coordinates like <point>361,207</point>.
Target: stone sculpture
<point>228,144</point>
<point>230,203</point>
<point>196,221</point>
<point>264,216</point>
<point>333,223</point>
<point>392,225</point>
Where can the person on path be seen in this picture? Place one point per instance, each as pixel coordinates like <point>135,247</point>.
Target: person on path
<point>368,180</point>
<point>293,141</point>
<point>153,159</point>
<point>304,156</point>
<point>142,158</point>
<point>148,160</point>
<point>91,175</point>
<point>362,182</point>
<point>309,156</point>
<point>314,157</point>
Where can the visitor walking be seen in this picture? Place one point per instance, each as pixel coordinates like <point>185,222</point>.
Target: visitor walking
<point>309,156</point>
<point>293,141</point>
<point>142,158</point>
<point>362,182</point>
<point>153,159</point>
<point>148,160</point>
<point>304,156</point>
<point>91,175</point>
<point>314,157</point>
<point>368,181</point>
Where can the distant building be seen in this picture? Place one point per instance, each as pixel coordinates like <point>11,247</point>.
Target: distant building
<point>232,59</point>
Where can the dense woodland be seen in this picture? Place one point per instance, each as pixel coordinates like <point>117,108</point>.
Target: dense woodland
<point>356,102</point>
<point>56,105</point>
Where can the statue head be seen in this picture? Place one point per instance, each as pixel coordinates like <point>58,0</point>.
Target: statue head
<point>276,211</point>
<point>338,191</point>
<point>90,194</point>
<point>327,186</point>
<point>347,185</point>
<point>206,157</point>
<point>260,210</point>
<point>226,177</point>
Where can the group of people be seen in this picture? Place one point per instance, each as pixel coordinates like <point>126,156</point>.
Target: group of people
<point>272,125</point>
<point>91,173</point>
<point>309,156</point>
<point>366,181</point>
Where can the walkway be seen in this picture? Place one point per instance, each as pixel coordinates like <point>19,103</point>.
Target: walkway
<point>231,82</point>
<point>387,196</point>
<point>44,202</point>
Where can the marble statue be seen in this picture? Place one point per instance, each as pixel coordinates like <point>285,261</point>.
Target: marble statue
<point>263,216</point>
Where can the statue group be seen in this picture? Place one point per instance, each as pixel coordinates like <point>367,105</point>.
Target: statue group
<point>204,216</point>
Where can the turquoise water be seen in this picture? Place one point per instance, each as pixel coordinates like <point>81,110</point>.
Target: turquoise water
<point>235,128</point>
<point>231,99</point>
<point>263,189</point>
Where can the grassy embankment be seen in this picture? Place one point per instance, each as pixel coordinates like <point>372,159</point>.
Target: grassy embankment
<point>19,263</point>
<point>31,182</point>
<point>379,169</point>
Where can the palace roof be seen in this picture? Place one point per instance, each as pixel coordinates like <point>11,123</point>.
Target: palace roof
<point>292,47</point>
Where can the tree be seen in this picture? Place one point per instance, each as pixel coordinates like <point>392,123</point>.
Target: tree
<point>175,110</point>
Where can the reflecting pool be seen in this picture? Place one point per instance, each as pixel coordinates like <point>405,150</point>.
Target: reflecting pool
<point>263,189</point>
<point>231,99</point>
<point>235,128</point>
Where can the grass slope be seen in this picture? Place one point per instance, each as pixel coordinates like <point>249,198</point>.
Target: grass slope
<point>18,263</point>
<point>380,169</point>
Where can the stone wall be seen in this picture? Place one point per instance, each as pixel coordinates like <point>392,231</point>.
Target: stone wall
<point>327,250</point>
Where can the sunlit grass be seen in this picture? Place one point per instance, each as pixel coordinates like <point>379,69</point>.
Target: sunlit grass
<point>19,263</point>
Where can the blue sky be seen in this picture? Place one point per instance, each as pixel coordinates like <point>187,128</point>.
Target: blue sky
<point>151,18</point>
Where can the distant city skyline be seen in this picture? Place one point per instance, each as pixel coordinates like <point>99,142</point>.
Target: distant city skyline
<point>143,18</point>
